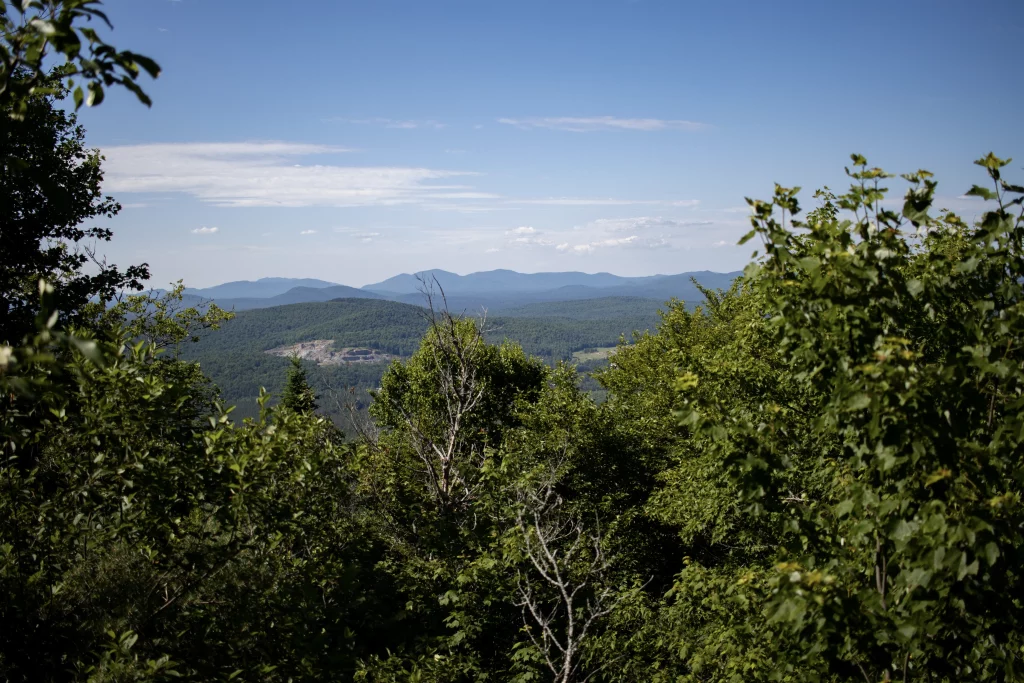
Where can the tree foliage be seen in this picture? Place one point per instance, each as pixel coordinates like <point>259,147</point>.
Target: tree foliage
<point>814,476</point>
<point>50,188</point>
<point>36,31</point>
<point>298,395</point>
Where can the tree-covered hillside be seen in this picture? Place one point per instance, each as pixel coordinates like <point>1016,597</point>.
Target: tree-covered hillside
<point>613,307</point>
<point>234,357</point>
<point>816,475</point>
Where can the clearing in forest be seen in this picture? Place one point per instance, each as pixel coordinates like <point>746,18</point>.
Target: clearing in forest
<point>322,352</point>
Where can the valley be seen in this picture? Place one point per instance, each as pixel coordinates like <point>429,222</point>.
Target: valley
<point>347,343</point>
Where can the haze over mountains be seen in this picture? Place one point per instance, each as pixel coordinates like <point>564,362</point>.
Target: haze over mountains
<point>494,290</point>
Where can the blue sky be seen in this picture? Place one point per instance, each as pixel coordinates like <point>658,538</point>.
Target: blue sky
<point>351,141</point>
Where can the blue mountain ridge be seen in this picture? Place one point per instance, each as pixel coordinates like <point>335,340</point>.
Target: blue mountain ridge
<point>493,290</point>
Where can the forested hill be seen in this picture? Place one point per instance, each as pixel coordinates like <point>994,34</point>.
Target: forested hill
<point>611,307</point>
<point>235,357</point>
<point>386,325</point>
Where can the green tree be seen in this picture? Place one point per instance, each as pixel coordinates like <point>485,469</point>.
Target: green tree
<point>902,332</point>
<point>50,188</point>
<point>144,534</point>
<point>449,404</point>
<point>36,31</point>
<point>298,395</point>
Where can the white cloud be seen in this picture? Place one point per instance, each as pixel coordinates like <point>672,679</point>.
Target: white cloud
<point>465,208</point>
<point>492,250</point>
<point>265,174</point>
<point>526,235</point>
<point>641,223</point>
<point>308,232</point>
<point>584,201</point>
<point>723,243</point>
<point>532,241</point>
<point>587,124</point>
<point>204,231</point>
<point>633,241</point>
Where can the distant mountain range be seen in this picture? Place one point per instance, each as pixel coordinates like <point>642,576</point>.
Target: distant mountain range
<point>501,281</point>
<point>260,289</point>
<point>244,295</point>
<point>495,290</point>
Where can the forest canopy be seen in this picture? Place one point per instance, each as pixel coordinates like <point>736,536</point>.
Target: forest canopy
<point>813,476</point>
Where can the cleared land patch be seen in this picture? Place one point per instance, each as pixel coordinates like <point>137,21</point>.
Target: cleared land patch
<point>599,353</point>
<point>322,352</point>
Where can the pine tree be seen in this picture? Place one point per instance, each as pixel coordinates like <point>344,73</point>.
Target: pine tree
<point>298,395</point>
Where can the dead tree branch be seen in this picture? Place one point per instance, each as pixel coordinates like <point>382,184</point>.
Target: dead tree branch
<point>564,591</point>
<point>440,441</point>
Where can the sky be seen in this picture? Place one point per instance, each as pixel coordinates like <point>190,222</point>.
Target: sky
<point>352,141</point>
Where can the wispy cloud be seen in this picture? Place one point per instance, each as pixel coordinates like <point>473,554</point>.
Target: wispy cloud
<point>355,233</point>
<point>406,124</point>
<point>585,201</point>
<point>644,223</point>
<point>308,232</point>
<point>526,235</point>
<point>633,241</point>
<point>466,207</point>
<point>248,174</point>
<point>204,231</point>
<point>532,241</point>
<point>589,124</point>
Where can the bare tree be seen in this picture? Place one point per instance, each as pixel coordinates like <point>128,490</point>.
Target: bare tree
<point>566,593</point>
<point>440,441</point>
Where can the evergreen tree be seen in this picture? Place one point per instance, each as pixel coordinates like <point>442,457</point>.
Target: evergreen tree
<point>298,395</point>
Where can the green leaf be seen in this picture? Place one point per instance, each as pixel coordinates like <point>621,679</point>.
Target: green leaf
<point>992,162</point>
<point>150,66</point>
<point>968,266</point>
<point>991,553</point>
<point>984,193</point>
<point>858,402</point>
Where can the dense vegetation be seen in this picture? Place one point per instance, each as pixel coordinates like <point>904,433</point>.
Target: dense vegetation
<point>612,307</point>
<point>235,359</point>
<point>814,476</point>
